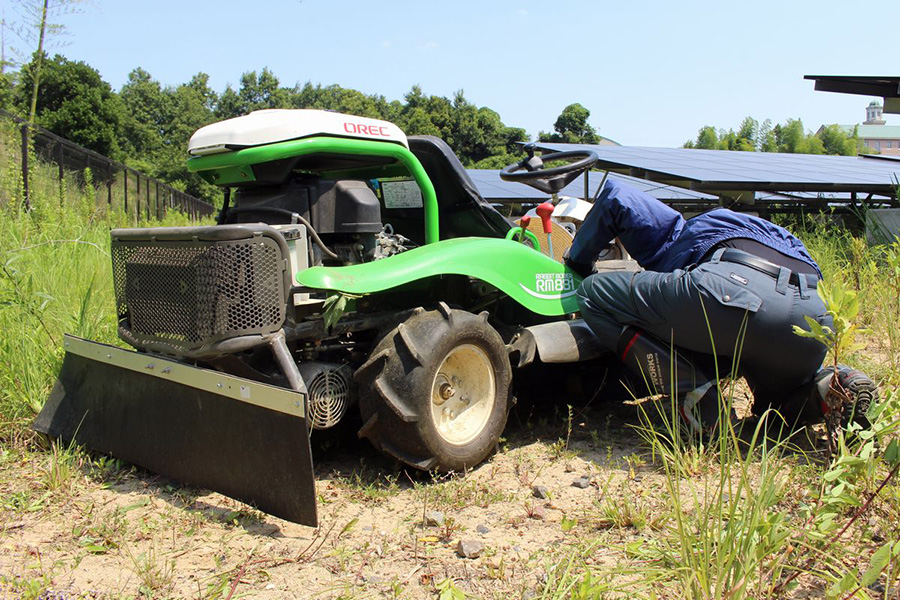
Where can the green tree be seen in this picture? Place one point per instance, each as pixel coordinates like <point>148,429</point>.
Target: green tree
<point>191,107</point>
<point>788,137</point>
<point>707,139</point>
<point>747,135</point>
<point>836,141</point>
<point>572,127</point>
<point>766,137</point>
<point>158,124</point>
<point>147,112</point>
<point>74,102</point>
<point>792,138</point>
<point>345,100</point>
<point>257,92</point>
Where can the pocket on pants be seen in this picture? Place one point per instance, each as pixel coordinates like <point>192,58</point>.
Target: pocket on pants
<point>727,291</point>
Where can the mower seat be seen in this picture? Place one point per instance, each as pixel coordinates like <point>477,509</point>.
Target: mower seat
<point>463,212</point>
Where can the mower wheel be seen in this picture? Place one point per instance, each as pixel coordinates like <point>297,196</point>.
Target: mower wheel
<point>435,392</point>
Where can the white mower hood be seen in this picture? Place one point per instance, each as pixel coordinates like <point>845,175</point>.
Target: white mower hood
<point>280,125</point>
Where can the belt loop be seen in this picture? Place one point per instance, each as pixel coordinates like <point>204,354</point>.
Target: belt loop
<point>717,255</point>
<point>801,285</point>
<point>784,275</point>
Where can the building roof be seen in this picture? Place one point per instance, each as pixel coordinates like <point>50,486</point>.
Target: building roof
<point>868,132</point>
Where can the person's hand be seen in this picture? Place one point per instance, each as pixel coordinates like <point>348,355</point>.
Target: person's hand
<point>583,269</point>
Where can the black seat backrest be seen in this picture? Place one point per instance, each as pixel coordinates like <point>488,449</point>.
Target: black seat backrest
<point>463,212</point>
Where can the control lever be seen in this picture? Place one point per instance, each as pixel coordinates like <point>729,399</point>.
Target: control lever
<point>544,211</point>
<point>523,224</point>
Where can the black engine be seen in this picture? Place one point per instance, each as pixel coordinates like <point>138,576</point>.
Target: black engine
<point>345,214</point>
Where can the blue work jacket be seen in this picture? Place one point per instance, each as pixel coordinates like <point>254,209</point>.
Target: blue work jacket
<point>660,239</point>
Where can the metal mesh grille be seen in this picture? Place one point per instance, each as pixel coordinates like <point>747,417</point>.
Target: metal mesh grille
<point>328,398</point>
<point>188,294</point>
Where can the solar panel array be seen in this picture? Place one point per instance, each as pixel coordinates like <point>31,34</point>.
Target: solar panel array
<point>494,189</point>
<point>759,171</point>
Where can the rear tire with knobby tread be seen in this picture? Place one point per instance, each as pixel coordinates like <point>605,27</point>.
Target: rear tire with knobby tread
<point>399,383</point>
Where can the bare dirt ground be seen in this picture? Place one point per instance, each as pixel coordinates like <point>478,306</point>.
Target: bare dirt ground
<point>108,532</point>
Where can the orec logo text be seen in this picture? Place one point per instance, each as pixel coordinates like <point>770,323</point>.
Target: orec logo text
<point>378,130</point>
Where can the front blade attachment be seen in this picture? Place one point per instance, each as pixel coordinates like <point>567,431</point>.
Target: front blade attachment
<point>241,438</point>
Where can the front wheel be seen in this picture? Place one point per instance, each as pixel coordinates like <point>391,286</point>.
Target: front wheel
<point>435,391</point>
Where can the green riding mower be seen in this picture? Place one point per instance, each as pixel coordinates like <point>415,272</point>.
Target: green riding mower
<point>351,269</point>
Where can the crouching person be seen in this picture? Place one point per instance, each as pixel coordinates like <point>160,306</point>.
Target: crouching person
<point>721,283</point>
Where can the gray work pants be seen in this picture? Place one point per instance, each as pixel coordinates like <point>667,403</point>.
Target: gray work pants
<point>717,308</point>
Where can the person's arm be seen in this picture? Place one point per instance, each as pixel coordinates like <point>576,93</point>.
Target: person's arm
<point>643,224</point>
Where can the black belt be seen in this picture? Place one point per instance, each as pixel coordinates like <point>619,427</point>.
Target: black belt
<point>764,266</point>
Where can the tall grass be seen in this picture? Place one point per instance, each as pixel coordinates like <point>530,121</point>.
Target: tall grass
<point>55,278</point>
<point>873,272</point>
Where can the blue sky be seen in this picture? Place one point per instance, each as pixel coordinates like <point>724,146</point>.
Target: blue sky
<point>651,73</point>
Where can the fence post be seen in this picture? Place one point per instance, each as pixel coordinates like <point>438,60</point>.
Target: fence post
<point>168,199</point>
<point>137,195</point>
<point>25,190</point>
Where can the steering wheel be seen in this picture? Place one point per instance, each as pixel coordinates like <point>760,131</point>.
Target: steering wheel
<point>531,171</point>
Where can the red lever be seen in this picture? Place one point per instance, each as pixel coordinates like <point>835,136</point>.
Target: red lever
<point>523,224</point>
<point>544,211</point>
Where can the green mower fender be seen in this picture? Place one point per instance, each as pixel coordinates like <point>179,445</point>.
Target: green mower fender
<point>535,281</point>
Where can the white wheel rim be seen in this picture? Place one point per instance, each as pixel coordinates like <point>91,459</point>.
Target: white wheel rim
<point>463,394</point>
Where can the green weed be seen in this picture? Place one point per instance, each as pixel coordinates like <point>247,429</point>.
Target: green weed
<point>457,491</point>
<point>63,466</point>
<point>156,574</point>
<point>366,487</point>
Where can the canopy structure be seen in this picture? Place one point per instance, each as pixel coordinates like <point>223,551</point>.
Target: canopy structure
<point>886,87</point>
<point>741,177</point>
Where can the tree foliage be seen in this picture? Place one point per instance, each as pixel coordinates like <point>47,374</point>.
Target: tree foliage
<point>148,124</point>
<point>790,137</point>
<point>74,102</point>
<point>572,127</point>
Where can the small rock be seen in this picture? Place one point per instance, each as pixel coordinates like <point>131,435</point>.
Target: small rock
<point>367,528</point>
<point>482,529</point>
<point>539,491</point>
<point>271,586</point>
<point>469,548</point>
<point>538,513</point>
<point>375,580</point>
<point>581,482</point>
<point>434,519</point>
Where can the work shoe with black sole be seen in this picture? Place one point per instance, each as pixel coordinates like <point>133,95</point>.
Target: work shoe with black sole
<point>861,390</point>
